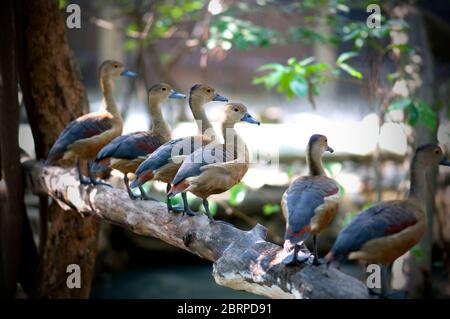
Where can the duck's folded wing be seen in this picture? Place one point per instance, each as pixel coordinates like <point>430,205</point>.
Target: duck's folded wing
<point>304,196</point>
<point>131,146</point>
<point>223,168</point>
<point>82,128</point>
<point>160,157</point>
<point>384,219</point>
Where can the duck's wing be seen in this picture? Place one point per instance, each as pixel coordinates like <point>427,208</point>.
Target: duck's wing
<point>131,146</point>
<point>223,168</point>
<point>383,219</point>
<point>213,156</point>
<point>158,158</point>
<point>82,128</point>
<point>303,197</point>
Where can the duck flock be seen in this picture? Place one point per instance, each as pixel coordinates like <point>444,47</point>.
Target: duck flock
<point>203,166</point>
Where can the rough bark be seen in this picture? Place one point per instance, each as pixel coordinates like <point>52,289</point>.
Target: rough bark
<point>57,97</point>
<point>243,260</point>
<point>13,215</point>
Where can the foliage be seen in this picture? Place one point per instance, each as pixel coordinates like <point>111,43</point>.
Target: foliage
<point>270,209</point>
<point>303,78</point>
<point>297,78</point>
<point>415,110</point>
<point>228,32</point>
<point>237,194</point>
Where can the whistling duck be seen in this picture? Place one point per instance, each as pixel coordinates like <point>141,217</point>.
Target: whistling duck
<point>161,165</point>
<point>387,230</point>
<point>125,153</point>
<point>310,203</point>
<point>215,168</point>
<point>85,136</point>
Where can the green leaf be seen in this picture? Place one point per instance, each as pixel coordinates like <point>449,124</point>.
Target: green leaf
<point>399,104</point>
<point>131,45</point>
<point>270,209</point>
<point>237,194</point>
<point>345,56</point>
<point>417,252</point>
<point>271,66</point>
<point>413,114</point>
<point>426,115</point>
<point>61,4</point>
<point>350,70</point>
<point>306,61</point>
<point>299,86</point>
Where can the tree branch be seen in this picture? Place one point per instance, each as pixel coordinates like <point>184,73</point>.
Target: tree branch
<point>243,260</point>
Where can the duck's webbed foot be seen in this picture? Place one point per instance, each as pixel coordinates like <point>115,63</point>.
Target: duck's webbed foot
<point>186,209</point>
<point>172,208</point>
<point>83,180</point>
<point>296,254</point>
<point>392,294</point>
<point>92,178</point>
<point>128,188</point>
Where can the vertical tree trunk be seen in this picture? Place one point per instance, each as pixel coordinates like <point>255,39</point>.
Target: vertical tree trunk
<point>57,97</point>
<point>15,251</point>
<point>415,274</point>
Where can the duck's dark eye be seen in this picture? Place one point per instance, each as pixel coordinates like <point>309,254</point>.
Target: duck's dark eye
<point>164,89</point>
<point>116,66</point>
<point>236,110</point>
<point>208,90</point>
<point>437,152</point>
<point>326,140</point>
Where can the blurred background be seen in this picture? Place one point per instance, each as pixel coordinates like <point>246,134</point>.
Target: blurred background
<point>376,85</point>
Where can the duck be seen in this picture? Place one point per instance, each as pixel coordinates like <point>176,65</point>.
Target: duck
<point>216,167</point>
<point>309,204</point>
<point>126,152</point>
<point>84,137</point>
<point>163,164</point>
<point>387,230</point>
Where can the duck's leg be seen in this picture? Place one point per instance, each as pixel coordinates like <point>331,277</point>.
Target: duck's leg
<point>186,209</point>
<point>83,180</point>
<point>170,207</point>
<point>127,185</point>
<point>145,196</point>
<point>384,282</point>
<point>94,181</point>
<point>386,272</point>
<point>316,260</point>
<point>206,206</point>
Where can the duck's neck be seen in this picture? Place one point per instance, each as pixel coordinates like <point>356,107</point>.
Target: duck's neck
<point>196,105</point>
<point>314,161</point>
<point>109,102</point>
<point>418,183</point>
<point>233,141</point>
<point>158,124</point>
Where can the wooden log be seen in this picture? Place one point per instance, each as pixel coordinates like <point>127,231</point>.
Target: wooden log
<point>243,260</point>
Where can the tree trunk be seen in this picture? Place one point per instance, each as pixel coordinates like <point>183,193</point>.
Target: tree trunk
<point>17,249</point>
<point>57,97</point>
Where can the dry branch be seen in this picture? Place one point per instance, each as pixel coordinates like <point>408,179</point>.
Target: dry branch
<point>243,260</point>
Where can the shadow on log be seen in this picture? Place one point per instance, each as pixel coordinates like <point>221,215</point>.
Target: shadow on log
<point>243,260</point>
